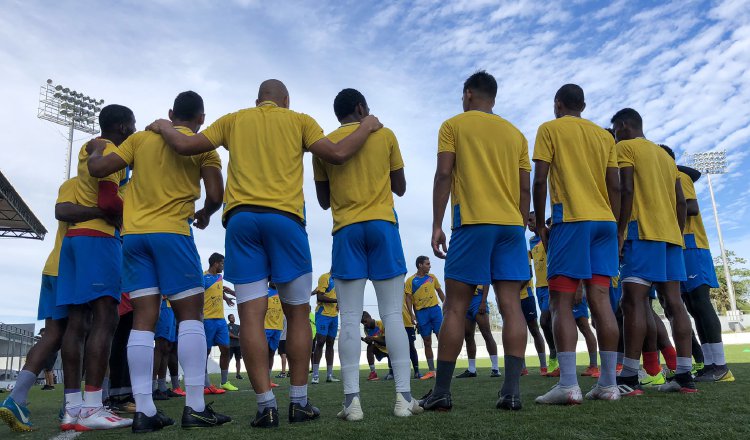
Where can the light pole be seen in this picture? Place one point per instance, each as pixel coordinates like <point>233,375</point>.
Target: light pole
<point>61,105</point>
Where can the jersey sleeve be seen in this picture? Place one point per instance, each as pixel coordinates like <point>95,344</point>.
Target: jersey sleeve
<point>523,159</point>
<point>446,138</point>
<point>612,156</point>
<point>397,162</point>
<point>319,170</point>
<point>437,283</point>
<point>67,192</point>
<point>118,176</point>
<point>218,132</point>
<point>210,159</point>
<point>126,150</point>
<point>322,284</point>
<point>311,131</point>
<point>625,156</point>
<point>408,285</point>
<point>543,148</point>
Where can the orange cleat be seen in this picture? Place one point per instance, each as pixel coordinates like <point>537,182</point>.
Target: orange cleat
<point>428,375</point>
<point>373,376</point>
<point>543,371</point>
<point>619,368</point>
<point>554,373</point>
<point>213,390</point>
<point>525,372</point>
<point>274,385</point>
<point>178,391</point>
<point>591,371</point>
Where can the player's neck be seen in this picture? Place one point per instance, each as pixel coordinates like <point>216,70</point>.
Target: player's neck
<point>113,137</point>
<point>484,107</point>
<point>187,124</point>
<point>572,113</point>
<point>212,271</point>
<point>422,274</point>
<point>351,119</point>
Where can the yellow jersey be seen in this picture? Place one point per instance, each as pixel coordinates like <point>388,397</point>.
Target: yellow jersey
<point>654,199</point>
<point>694,233</point>
<point>165,185</point>
<point>539,258</point>
<point>490,151</point>
<point>66,193</point>
<point>377,331</point>
<point>265,144</point>
<point>274,314</point>
<point>579,153</point>
<point>327,288</point>
<point>423,290</point>
<point>361,188</point>
<point>87,190</point>
<point>213,298</point>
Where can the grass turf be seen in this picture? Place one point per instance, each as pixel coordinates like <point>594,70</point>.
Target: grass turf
<point>718,411</point>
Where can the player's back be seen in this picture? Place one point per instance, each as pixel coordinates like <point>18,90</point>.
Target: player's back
<point>695,232</point>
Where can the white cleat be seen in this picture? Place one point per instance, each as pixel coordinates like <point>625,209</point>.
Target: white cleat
<point>560,395</point>
<point>603,393</point>
<point>352,413</point>
<point>68,421</point>
<point>406,409</point>
<point>100,419</point>
<point>315,380</point>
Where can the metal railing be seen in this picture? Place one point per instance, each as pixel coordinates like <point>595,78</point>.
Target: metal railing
<point>15,343</point>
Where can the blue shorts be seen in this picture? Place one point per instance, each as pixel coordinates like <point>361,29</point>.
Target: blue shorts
<point>167,261</point>
<point>528,305</point>
<point>480,254</point>
<point>273,337</point>
<point>429,321</point>
<point>699,268</point>
<point>579,250</point>
<point>542,297</point>
<point>327,326</point>
<point>581,310</point>
<point>48,308</point>
<point>90,268</point>
<point>166,326</point>
<point>379,354</point>
<point>370,249</point>
<point>217,332</point>
<point>263,245</point>
<point>476,301</point>
<point>615,295</point>
<point>654,261</point>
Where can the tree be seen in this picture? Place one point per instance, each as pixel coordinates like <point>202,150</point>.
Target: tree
<point>740,280</point>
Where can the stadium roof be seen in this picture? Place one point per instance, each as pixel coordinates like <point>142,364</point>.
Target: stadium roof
<point>16,219</point>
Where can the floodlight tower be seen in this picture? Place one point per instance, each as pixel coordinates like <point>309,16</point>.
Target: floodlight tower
<point>63,106</point>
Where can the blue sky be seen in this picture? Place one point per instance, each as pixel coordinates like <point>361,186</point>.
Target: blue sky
<point>683,65</point>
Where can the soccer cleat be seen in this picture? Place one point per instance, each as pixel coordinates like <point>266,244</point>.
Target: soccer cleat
<point>715,373</point>
<point>682,383</point>
<point>229,387</point>
<point>268,418</point>
<point>603,393</point>
<point>543,371</point>
<point>373,376</point>
<point>207,418</point>
<point>432,402</point>
<point>417,376</point>
<point>238,376</point>
<point>591,371</point>
<point>508,403</point>
<point>68,421</point>
<point>406,409</point>
<point>467,374</point>
<point>698,366</point>
<point>123,406</point>
<point>172,393</point>
<point>101,418</point>
<point>618,369</point>
<point>274,385</point>
<point>495,373</point>
<point>143,423</point>
<point>525,372</point>
<point>655,380</point>
<point>428,375</point>
<point>332,379</point>
<point>299,413</point>
<point>315,380</point>
<point>159,395</point>
<point>48,387</point>
<point>560,395</point>
<point>353,412</point>
<point>629,386</point>
<point>178,391</point>
<point>281,375</point>
<point>553,364</point>
<point>554,373</point>
<point>212,390</point>
<point>388,376</point>
<point>16,416</point>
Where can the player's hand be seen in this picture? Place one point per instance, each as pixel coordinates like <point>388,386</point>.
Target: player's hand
<point>202,219</point>
<point>439,248</point>
<point>482,308</point>
<point>95,145</point>
<point>158,124</point>
<point>371,123</point>
<point>229,291</point>
<point>544,236</point>
<point>578,298</point>
<point>115,221</point>
<point>229,301</point>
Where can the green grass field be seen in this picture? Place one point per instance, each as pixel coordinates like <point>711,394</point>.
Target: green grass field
<point>718,411</point>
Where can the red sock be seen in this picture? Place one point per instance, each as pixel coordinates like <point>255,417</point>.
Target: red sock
<point>651,363</point>
<point>670,357</point>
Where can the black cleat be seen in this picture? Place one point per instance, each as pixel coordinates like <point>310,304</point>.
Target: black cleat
<point>509,402</point>
<point>160,395</point>
<point>171,394</point>
<point>466,374</point>
<point>432,402</point>
<point>268,418</point>
<point>48,387</point>
<point>143,423</point>
<point>299,413</point>
<point>629,386</point>
<point>208,418</point>
<point>238,376</point>
<point>495,373</point>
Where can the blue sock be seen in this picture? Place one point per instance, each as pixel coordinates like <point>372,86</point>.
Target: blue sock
<point>298,394</point>
<point>630,367</point>
<point>609,368</point>
<point>266,400</point>
<point>567,361</point>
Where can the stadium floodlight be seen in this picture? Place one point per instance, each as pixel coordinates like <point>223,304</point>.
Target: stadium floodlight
<point>715,162</point>
<point>64,106</point>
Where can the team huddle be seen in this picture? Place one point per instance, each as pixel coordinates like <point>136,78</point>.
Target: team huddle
<point>624,227</point>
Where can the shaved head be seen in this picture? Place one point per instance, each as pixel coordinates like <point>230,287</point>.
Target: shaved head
<point>273,90</point>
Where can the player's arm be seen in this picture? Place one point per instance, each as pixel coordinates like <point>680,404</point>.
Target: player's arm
<point>441,191</point>
<point>524,201</point>
<point>324,299</point>
<point>180,142</point>
<point>339,152</point>
<point>440,294</point>
<point>681,206</point>
<point>692,207</point>
<point>213,180</point>
<point>73,213</point>
<point>398,182</point>
<point>99,165</point>
<point>626,201</point>
<point>323,191</point>
<point>541,171</point>
<point>613,190</point>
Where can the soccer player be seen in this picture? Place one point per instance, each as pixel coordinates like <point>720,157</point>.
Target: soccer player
<point>650,232</point>
<point>528,306</point>
<point>366,245</point>
<point>483,164</point>
<point>273,324</point>
<point>160,257</point>
<point>376,349</point>
<point>477,316</point>
<point>701,277</point>
<point>89,283</point>
<point>234,344</point>
<point>580,161</point>
<point>217,333</point>
<point>539,259</point>
<point>265,220</point>
<point>423,289</point>
<point>164,337</point>
<point>13,409</point>
<point>327,324</point>
<point>410,322</point>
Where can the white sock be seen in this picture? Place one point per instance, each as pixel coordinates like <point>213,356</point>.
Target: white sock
<point>73,402</point>
<point>708,357</point>
<point>92,400</point>
<point>141,367</point>
<point>316,369</point>
<point>390,294</point>
<point>192,353</point>
<point>473,365</point>
<point>329,370</point>
<point>351,295</point>
<point>717,353</point>
<point>493,359</point>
